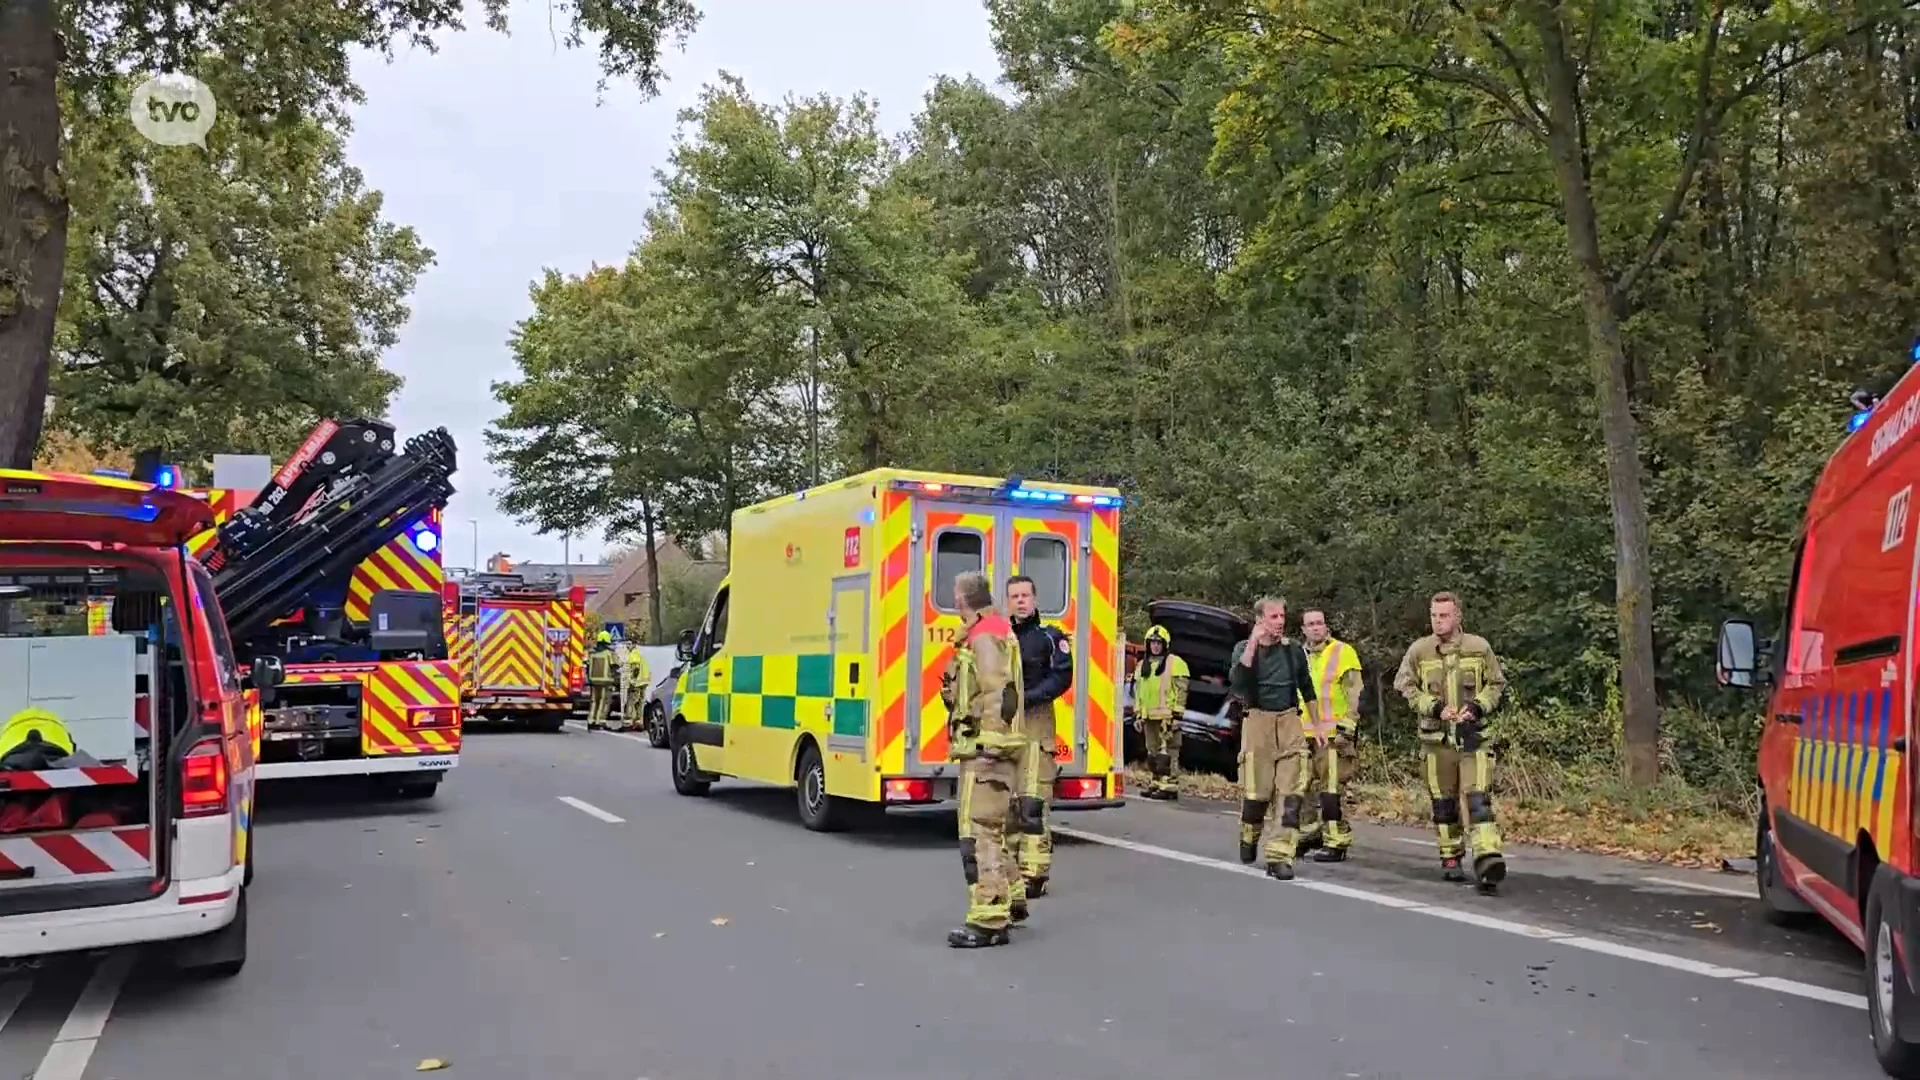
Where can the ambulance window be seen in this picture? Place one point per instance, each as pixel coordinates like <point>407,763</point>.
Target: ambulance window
<point>717,633</point>
<point>955,552</point>
<point>1044,559</point>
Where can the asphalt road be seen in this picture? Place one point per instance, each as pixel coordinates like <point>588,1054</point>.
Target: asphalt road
<point>509,928</point>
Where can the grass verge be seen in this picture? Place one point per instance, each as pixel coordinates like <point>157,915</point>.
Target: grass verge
<point>1548,805</point>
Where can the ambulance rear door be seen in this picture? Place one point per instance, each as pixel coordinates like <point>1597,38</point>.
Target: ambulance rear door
<point>1047,542</point>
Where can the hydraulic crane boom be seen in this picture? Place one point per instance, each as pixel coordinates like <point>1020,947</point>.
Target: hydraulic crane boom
<point>269,559</point>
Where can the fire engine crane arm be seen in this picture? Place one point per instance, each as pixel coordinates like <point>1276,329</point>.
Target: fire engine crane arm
<point>266,570</point>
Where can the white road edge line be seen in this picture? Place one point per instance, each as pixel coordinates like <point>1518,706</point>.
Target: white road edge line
<point>1701,886</point>
<point>616,734</point>
<point>1538,933</point>
<point>591,810</point>
<point>73,1047</point>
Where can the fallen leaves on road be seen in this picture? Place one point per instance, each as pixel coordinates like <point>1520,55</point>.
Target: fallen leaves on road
<point>721,920</point>
<point>431,1065</point>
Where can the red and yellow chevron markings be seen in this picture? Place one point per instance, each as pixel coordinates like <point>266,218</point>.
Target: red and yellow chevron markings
<point>410,708</point>
<point>896,568</point>
<point>573,654</point>
<point>223,503</point>
<point>945,629</point>
<point>512,647</point>
<point>399,565</point>
<point>1068,530</point>
<point>1103,731</point>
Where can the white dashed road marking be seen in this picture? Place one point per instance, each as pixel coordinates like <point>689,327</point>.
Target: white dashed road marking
<point>1538,933</point>
<point>73,1047</point>
<point>591,810</point>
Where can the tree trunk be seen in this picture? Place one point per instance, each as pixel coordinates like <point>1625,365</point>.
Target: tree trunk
<point>33,221</point>
<point>1607,355</point>
<point>654,629</point>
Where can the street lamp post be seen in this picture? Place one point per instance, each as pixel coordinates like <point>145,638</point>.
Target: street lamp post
<point>475,522</point>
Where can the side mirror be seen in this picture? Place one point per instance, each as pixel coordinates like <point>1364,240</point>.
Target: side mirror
<point>267,673</point>
<point>683,649</point>
<point>1739,654</point>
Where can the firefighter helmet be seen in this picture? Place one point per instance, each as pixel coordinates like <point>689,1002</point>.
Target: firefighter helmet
<point>1159,634</point>
<point>603,638</point>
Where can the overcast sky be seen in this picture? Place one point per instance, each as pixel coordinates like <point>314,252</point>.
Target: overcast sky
<point>495,151</point>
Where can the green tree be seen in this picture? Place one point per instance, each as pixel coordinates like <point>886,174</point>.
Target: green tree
<point>287,61</point>
<point>1608,105</point>
<point>223,300</point>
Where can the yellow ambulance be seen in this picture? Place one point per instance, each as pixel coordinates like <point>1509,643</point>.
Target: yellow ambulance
<point>818,664</point>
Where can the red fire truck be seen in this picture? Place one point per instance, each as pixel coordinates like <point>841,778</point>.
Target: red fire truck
<point>520,647</point>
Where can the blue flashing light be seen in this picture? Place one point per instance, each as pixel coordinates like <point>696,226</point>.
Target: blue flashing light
<point>1916,350</point>
<point>1858,420</point>
<point>425,541</point>
<point>146,513</point>
<point>167,476</point>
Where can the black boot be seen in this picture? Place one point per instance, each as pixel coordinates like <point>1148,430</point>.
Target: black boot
<point>1330,854</point>
<point>1249,851</point>
<point>1450,869</point>
<point>1488,872</point>
<point>1037,888</point>
<point>1019,911</point>
<point>1280,870</point>
<point>1312,840</point>
<point>976,937</point>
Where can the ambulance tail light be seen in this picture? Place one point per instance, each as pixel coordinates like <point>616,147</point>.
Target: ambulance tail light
<point>906,791</point>
<point>203,780</point>
<point>1119,786</point>
<point>1078,788</point>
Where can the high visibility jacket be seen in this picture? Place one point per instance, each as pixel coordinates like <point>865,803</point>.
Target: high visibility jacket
<point>1163,693</point>
<point>1330,663</point>
<point>600,667</point>
<point>638,675</point>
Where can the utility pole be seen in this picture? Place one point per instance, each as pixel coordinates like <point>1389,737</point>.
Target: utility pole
<point>475,522</point>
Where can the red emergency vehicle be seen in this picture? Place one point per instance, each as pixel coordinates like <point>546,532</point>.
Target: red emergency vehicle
<point>1838,819</point>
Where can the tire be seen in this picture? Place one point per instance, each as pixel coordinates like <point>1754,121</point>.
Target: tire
<point>1782,907</point>
<point>422,790</point>
<point>687,779</point>
<point>219,955</point>
<point>656,728</point>
<point>549,722</point>
<point>1888,996</point>
<point>819,811</point>
<point>253,836</point>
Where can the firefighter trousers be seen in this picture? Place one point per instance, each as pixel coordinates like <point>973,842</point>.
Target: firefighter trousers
<point>1453,777</point>
<point>1163,751</point>
<point>599,703</point>
<point>1322,819</point>
<point>987,788</point>
<point>1030,836</point>
<point>1273,781</point>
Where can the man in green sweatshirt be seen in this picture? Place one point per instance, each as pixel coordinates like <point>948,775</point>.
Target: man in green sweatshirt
<point>1269,676</point>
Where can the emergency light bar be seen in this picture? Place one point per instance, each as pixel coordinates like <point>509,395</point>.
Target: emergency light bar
<point>1009,493</point>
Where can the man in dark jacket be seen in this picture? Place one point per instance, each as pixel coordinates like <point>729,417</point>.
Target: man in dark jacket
<point>1046,667</point>
<point>1270,676</point>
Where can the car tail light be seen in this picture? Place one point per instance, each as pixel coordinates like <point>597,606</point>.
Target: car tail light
<point>1119,786</point>
<point>907,791</point>
<point>203,780</point>
<point>1079,787</point>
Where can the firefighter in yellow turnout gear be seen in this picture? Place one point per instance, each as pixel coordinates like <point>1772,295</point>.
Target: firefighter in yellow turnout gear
<point>1159,699</point>
<point>635,680</point>
<point>984,691</point>
<point>600,682</point>
<point>1453,681</point>
<point>1337,675</point>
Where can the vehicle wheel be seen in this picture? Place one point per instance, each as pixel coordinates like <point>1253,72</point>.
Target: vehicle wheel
<point>656,729</point>
<point>819,811</point>
<point>1888,997</point>
<point>549,722</point>
<point>252,839</point>
<point>219,955</point>
<point>686,777</point>
<point>423,789</point>
<point>1782,907</point>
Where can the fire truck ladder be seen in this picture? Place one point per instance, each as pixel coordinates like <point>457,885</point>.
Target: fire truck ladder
<point>285,559</point>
